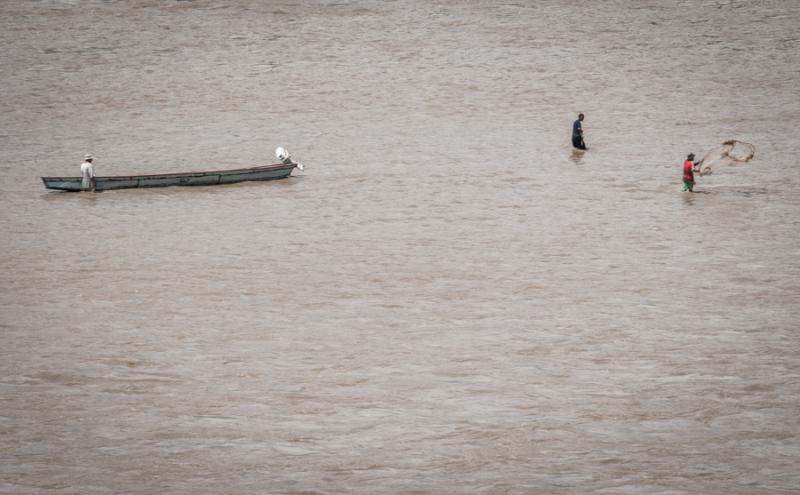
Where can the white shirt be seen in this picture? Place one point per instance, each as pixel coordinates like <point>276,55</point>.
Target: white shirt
<point>87,170</point>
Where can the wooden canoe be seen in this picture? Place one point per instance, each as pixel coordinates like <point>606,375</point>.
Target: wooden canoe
<point>208,178</point>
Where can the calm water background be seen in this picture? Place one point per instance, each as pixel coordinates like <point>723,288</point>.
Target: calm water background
<point>448,299</point>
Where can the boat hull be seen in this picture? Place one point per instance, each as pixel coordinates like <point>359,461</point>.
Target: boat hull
<point>210,178</point>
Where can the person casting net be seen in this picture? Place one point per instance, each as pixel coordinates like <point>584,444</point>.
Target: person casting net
<point>731,152</point>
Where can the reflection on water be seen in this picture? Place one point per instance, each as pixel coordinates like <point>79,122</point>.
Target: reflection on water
<point>576,156</point>
<point>442,302</point>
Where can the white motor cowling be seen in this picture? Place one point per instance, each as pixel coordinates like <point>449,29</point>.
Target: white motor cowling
<point>281,153</point>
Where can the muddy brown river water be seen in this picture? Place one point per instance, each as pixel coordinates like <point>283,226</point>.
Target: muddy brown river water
<point>448,299</point>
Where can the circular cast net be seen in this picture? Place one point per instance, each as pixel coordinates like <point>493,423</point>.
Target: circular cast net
<point>731,152</point>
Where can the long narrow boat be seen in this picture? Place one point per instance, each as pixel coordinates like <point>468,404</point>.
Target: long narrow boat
<point>209,178</point>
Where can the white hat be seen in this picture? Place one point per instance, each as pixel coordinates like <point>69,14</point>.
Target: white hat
<point>88,156</point>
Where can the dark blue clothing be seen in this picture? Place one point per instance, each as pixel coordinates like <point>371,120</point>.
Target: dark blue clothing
<point>577,130</point>
<point>577,136</point>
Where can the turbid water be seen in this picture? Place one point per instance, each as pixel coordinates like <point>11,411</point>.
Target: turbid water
<point>448,299</point>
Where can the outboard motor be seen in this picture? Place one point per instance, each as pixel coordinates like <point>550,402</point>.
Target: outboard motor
<point>283,155</point>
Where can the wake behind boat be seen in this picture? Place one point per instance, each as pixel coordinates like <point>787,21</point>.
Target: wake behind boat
<point>206,178</point>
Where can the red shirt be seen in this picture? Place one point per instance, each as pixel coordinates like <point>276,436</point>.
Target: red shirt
<point>688,172</point>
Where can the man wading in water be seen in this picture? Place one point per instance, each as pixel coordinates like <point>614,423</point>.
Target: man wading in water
<point>577,134</point>
<point>688,173</point>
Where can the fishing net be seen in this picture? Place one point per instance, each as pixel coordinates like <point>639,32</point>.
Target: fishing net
<point>731,152</point>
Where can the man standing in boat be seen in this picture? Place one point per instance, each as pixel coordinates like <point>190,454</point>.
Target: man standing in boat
<point>577,134</point>
<point>87,173</point>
